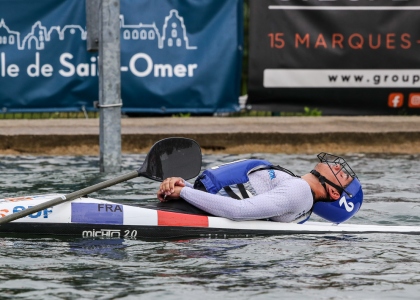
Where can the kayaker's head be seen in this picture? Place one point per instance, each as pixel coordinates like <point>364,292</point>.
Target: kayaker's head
<point>343,191</point>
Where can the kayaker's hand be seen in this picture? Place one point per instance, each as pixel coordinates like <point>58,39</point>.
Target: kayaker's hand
<point>170,188</point>
<point>176,194</point>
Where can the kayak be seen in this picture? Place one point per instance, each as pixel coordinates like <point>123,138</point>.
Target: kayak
<point>94,218</point>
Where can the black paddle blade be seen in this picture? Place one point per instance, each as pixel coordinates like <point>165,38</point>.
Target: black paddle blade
<point>172,157</point>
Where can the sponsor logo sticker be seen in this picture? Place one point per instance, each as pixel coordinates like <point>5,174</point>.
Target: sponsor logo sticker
<point>3,212</point>
<point>40,214</point>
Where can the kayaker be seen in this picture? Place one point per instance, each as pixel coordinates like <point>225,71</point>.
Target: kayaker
<point>331,190</point>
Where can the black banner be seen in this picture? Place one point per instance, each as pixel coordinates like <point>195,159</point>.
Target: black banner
<point>341,57</point>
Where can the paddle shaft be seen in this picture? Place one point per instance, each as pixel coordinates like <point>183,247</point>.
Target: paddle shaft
<point>69,197</point>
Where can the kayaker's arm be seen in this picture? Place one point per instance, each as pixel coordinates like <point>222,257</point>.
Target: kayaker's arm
<point>283,204</point>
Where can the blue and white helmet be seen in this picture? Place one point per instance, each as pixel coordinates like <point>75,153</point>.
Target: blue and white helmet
<point>343,209</point>
<point>351,198</point>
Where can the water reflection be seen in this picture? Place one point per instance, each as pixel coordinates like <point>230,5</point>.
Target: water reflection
<point>108,248</point>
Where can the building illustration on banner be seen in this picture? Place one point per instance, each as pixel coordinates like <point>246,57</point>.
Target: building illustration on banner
<point>173,34</point>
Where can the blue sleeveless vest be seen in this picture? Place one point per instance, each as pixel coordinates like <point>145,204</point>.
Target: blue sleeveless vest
<point>216,178</point>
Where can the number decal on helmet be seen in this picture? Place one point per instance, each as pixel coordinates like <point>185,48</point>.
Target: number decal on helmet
<point>349,206</point>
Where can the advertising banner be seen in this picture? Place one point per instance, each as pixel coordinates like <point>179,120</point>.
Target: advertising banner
<point>345,57</point>
<point>176,56</point>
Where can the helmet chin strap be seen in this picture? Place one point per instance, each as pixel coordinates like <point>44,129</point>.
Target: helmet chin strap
<point>323,182</point>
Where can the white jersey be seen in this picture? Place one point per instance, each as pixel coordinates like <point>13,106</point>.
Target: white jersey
<point>278,196</point>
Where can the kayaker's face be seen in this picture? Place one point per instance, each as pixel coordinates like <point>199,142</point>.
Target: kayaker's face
<point>334,173</point>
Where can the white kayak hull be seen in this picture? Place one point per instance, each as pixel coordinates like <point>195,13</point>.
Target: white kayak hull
<point>89,217</point>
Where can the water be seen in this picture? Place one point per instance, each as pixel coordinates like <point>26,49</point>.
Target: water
<point>331,266</point>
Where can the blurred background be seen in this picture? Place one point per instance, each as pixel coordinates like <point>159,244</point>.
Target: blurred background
<point>210,57</point>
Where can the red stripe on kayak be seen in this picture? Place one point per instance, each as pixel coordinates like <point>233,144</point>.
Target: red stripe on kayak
<point>166,218</point>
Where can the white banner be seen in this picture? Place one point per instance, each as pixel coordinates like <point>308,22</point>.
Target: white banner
<point>331,78</point>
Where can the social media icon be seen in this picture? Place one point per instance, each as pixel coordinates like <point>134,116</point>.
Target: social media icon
<point>395,100</point>
<point>414,100</point>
